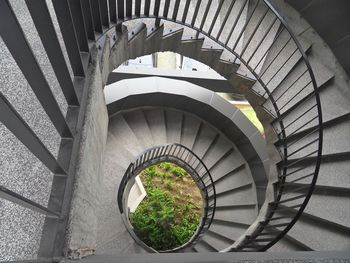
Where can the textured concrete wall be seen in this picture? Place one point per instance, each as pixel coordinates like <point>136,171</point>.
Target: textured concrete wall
<point>81,238</point>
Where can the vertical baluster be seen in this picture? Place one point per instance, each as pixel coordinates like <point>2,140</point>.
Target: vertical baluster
<point>48,36</point>
<point>78,20</point>
<point>113,11</point>
<point>120,7</point>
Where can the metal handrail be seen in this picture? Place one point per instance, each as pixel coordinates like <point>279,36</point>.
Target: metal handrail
<point>184,157</point>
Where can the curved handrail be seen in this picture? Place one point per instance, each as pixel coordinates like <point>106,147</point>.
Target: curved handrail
<point>187,159</point>
<point>250,240</point>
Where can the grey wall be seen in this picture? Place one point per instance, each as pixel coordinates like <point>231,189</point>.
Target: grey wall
<point>81,238</point>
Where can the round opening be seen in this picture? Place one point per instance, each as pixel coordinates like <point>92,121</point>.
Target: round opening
<point>171,210</point>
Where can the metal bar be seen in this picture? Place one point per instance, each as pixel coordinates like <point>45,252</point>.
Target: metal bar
<point>156,7</point>
<point>223,24</point>
<point>79,25</point>
<point>14,38</point>
<point>262,40</point>
<point>205,15</point>
<point>104,12</point>
<point>215,17</point>
<point>88,19</point>
<point>166,8</point>
<point>113,11</point>
<point>184,15</point>
<point>194,17</point>
<point>120,7</point>
<point>296,95</point>
<point>138,7</point>
<point>128,8</point>
<point>245,25</point>
<point>289,87</point>
<point>15,123</point>
<point>300,159</point>
<point>147,7</point>
<point>96,14</point>
<point>254,31</point>
<point>301,178</point>
<point>269,49</point>
<point>176,9</point>
<point>303,114</point>
<point>47,33</point>
<point>303,137</point>
<point>65,21</point>
<point>25,202</point>
<point>236,22</point>
<point>280,68</point>
<point>278,53</point>
<point>303,147</point>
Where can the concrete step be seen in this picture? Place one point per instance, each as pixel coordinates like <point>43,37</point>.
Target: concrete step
<point>228,229</point>
<point>173,124</point>
<point>139,125</point>
<point>216,241</point>
<point>230,166</point>
<point>280,61</point>
<point>190,128</point>
<point>245,214</point>
<point>234,180</point>
<point>239,196</point>
<point>154,39</point>
<point>205,138</point>
<point>203,247</point>
<point>312,233</point>
<point>171,41</point>
<point>137,38</point>
<point>156,122</point>
<point>125,135</point>
<point>217,152</point>
<point>297,86</point>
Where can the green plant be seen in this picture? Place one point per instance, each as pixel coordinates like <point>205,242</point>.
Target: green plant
<point>167,217</point>
<point>178,171</point>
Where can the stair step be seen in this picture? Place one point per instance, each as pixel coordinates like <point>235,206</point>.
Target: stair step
<point>229,230</point>
<point>125,135</point>
<point>138,123</point>
<point>216,152</point>
<point>234,180</point>
<point>217,241</point>
<point>204,139</point>
<point>156,123</point>
<point>137,37</point>
<point>172,41</point>
<point>202,246</point>
<point>238,214</point>
<point>239,196</point>
<point>173,126</point>
<point>189,131</point>
<point>154,40</point>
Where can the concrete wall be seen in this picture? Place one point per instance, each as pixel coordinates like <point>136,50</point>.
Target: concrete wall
<point>81,238</point>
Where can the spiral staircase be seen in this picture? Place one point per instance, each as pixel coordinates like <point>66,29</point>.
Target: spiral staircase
<point>272,195</point>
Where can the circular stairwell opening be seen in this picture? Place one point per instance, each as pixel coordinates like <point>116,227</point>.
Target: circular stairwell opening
<point>168,210</point>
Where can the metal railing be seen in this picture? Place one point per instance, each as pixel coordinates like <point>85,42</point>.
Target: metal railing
<point>252,31</point>
<point>185,158</point>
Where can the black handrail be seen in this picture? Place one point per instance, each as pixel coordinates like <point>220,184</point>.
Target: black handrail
<point>184,157</point>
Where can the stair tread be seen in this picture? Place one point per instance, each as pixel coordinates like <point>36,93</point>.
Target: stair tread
<point>189,130</point>
<point>156,122</point>
<point>137,122</point>
<point>173,126</point>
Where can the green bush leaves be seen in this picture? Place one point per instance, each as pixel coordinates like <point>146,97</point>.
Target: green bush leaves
<point>162,221</point>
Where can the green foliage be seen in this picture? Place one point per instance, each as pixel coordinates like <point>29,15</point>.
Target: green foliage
<point>178,171</point>
<point>165,220</point>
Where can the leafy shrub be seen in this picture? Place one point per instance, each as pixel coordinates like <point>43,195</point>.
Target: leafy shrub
<point>166,218</point>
